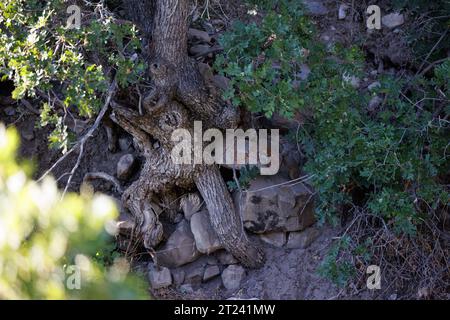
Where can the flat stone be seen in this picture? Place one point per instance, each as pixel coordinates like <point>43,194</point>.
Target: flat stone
<point>125,143</point>
<point>178,276</point>
<point>392,20</point>
<point>199,49</point>
<point>271,206</point>
<point>374,103</point>
<point>206,238</point>
<point>159,277</point>
<point>232,277</point>
<point>195,275</point>
<point>186,288</point>
<point>277,239</point>
<point>125,166</point>
<point>211,272</point>
<point>342,13</point>
<point>199,35</point>
<point>221,82</point>
<point>179,249</point>
<point>302,239</point>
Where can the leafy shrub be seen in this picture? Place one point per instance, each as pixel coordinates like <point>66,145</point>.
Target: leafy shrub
<point>41,54</point>
<point>395,156</point>
<point>44,238</point>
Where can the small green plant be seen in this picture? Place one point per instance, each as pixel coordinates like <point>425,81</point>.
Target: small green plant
<point>42,56</point>
<point>333,267</point>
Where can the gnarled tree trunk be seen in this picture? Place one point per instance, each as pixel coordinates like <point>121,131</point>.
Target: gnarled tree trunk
<point>180,96</point>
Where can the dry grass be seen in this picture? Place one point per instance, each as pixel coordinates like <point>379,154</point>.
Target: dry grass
<point>412,267</point>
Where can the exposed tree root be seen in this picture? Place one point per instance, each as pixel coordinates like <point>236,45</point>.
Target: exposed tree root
<point>179,97</point>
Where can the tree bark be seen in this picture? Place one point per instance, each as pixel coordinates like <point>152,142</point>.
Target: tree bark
<point>141,12</point>
<point>179,97</point>
<point>224,218</point>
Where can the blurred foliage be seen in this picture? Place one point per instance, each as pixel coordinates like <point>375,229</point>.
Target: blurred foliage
<point>44,238</point>
<point>38,51</point>
<point>391,161</point>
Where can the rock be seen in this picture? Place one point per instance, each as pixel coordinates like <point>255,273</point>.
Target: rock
<point>343,8</point>
<point>315,8</point>
<point>199,49</point>
<point>277,239</point>
<point>195,275</point>
<point>353,80</point>
<point>373,85</point>
<point>186,288</point>
<point>125,166</point>
<point>326,38</point>
<point>205,237</point>
<point>302,239</point>
<point>198,35</point>
<point>9,111</point>
<point>190,204</point>
<point>221,82</point>
<point>125,143</point>
<point>269,206</point>
<point>226,258</point>
<point>27,133</point>
<point>374,103</point>
<point>392,20</point>
<point>232,277</point>
<point>211,272</point>
<point>178,276</point>
<point>159,278</point>
<point>205,70</point>
<point>179,249</point>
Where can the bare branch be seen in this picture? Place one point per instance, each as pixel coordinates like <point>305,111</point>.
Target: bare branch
<point>82,141</point>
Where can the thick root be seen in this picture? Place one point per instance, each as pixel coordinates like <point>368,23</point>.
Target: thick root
<point>224,219</point>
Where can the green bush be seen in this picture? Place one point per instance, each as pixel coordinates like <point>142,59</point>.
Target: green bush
<point>395,156</point>
<point>40,53</point>
<point>46,239</point>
